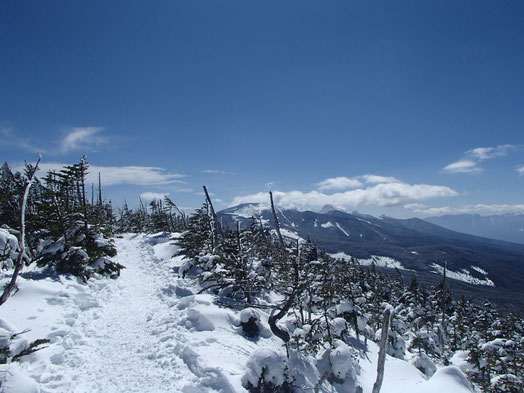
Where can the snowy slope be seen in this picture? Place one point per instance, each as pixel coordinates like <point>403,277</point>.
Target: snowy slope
<point>148,332</point>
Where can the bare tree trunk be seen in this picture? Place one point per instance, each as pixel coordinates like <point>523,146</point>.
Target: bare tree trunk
<point>277,225</point>
<point>239,243</point>
<point>182,214</point>
<point>88,242</point>
<point>317,387</point>
<point>218,228</point>
<point>99,189</point>
<point>444,296</point>
<point>443,306</point>
<point>20,262</point>
<point>355,318</point>
<point>382,351</point>
<point>272,321</point>
<point>243,265</point>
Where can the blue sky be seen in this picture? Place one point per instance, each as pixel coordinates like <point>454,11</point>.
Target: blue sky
<point>404,108</point>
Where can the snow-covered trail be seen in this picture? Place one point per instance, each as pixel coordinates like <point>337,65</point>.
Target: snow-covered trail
<point>123,346</point>
<point>123,335</point>
<point>148,332</point>
<point>145,331</point>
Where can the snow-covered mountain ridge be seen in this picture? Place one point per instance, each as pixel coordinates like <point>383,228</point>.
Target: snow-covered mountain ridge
<point>149,331</point>
<point>481,267</point>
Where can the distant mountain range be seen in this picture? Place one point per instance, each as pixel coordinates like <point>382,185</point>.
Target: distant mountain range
<point>508,227</point>
<point>477,266</point>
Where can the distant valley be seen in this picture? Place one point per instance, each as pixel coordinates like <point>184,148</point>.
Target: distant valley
<point>508,227</point>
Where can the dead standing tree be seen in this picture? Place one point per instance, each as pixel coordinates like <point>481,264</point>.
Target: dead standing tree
<point>21,256</point>
<point>217,228</point>
<point>383,349</point>
<point>442,328</point>
<point>277,225</point>
<point>274,318</point>
<point>172,204</point>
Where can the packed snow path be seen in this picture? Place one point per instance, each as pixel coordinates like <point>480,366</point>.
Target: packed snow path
<point>122,340</point>
<point>145,331</point>
<point>124,346</point>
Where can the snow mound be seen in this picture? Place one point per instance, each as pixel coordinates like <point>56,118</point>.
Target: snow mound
<point>422,362</point>
<point>338,362</point>
<point>267,365</point>
<point>447,379</point>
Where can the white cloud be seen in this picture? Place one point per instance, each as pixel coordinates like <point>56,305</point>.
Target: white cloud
<point>415,206</point>
<point>469,163</point>
<point>520,170</point>
<point>463,166</point>
<point>471,209</point>
<point>149,195</point>
<point>114,175</point>
<point>216,172</point>
<point>338,183</point>
<point>374,179</point>
<point>386,194</point>
<point>82,138</point>
<point>485,153</point>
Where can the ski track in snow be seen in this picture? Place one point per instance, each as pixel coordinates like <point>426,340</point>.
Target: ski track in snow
<point>127,341</point>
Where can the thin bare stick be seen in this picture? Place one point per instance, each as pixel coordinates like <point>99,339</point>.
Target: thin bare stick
<point>21,256</point>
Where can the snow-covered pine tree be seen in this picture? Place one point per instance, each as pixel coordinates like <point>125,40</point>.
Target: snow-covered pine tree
<point>75,236</point>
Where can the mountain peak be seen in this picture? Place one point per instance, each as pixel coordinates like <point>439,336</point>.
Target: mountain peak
<point>327,209</point>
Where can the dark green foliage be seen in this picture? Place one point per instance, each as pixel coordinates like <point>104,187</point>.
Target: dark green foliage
<point>64,230</point>
<point>162,216</point>
<point>11,190</point>
<point>79,232</point>
<point>196,240</point>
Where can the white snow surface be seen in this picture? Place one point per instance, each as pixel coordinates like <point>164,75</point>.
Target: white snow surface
<point>290,234</point>
<point>465,276</point>
<point>382,261</point>
<point>342,229</point>
<point>148,331</point>
<point>378,260</point>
